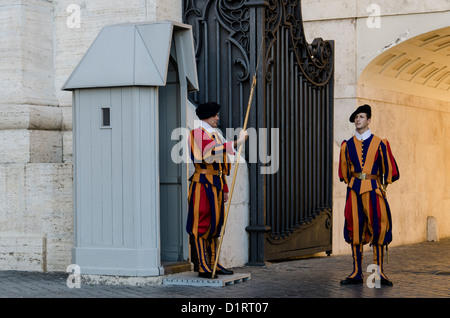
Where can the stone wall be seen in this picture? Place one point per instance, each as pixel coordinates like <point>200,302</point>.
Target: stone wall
<point>419,137</point>
<point>362,30</point>
<point>41,42</point>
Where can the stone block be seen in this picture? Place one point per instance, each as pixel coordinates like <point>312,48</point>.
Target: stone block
<point>25,146</point>
<point>36,216</point>
<point>432,229</point>
<point>26,58</point>
<point>14,146</point>
<point>45,146</point>
<point>19,251</point>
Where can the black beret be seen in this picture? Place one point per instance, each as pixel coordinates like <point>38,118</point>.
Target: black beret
<point>207,110</point>
<point>361,109</point>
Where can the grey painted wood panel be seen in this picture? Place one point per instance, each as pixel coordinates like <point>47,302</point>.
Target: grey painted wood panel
<point>170,177</point>
<point>117,167</point>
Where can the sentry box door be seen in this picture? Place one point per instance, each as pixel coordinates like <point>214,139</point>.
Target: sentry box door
<point>170,172</point>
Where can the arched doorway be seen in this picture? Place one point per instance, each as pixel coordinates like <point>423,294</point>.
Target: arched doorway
<point>408,87</point>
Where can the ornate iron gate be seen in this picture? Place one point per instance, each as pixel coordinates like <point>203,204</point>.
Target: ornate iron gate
<point>290,212</point>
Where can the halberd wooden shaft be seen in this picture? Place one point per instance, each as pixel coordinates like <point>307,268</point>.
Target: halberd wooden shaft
<point>234,177</point>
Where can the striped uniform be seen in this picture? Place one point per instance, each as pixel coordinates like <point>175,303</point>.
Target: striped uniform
<point>208,183</point>
<point>367,213</point>
<point>367,167</point>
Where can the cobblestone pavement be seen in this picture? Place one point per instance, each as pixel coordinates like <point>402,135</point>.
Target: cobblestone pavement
<point>418,271</point>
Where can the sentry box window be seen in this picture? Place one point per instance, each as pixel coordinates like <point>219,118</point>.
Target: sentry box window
<point>106,117</point>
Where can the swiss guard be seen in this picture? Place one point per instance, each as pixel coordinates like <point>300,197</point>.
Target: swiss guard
<point>208,189</point>
<point>367,166</point>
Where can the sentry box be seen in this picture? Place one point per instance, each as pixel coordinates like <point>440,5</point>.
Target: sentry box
<point>129,94</point>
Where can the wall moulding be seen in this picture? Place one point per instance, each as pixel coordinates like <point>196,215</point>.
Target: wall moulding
<point>31,117</point>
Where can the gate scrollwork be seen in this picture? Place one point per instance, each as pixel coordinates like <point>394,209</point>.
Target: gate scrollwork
<point>290,210</point>
<point>315,59</point>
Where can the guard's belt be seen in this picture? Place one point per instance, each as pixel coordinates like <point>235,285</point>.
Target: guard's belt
<point>364,176</point>
<point>209,172</point>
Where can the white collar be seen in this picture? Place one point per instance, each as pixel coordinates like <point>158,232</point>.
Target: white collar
<point>364,135</point>
<point>207,127</point>
<point>211,130</point>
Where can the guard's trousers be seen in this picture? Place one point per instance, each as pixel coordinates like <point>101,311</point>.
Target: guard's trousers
<point>205,219</point>
<point>367,218</point>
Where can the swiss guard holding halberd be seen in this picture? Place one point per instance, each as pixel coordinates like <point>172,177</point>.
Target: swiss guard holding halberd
<point>209,190</point>
<point>367,166</point>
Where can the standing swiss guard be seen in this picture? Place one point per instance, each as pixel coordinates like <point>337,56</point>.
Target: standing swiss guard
<point>367,166</point>
<point>208,189</point>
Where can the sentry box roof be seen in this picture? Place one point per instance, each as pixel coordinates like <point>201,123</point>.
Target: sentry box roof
<point>135,55</point>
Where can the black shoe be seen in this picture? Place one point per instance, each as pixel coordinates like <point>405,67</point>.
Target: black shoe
<point>206,275</point>
<point>224,271</point>
<point>351,281</point>
<point>386,282</point>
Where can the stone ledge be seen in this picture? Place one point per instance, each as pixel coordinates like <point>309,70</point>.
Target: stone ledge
<point>121,280</point>
<point>31,117</point>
